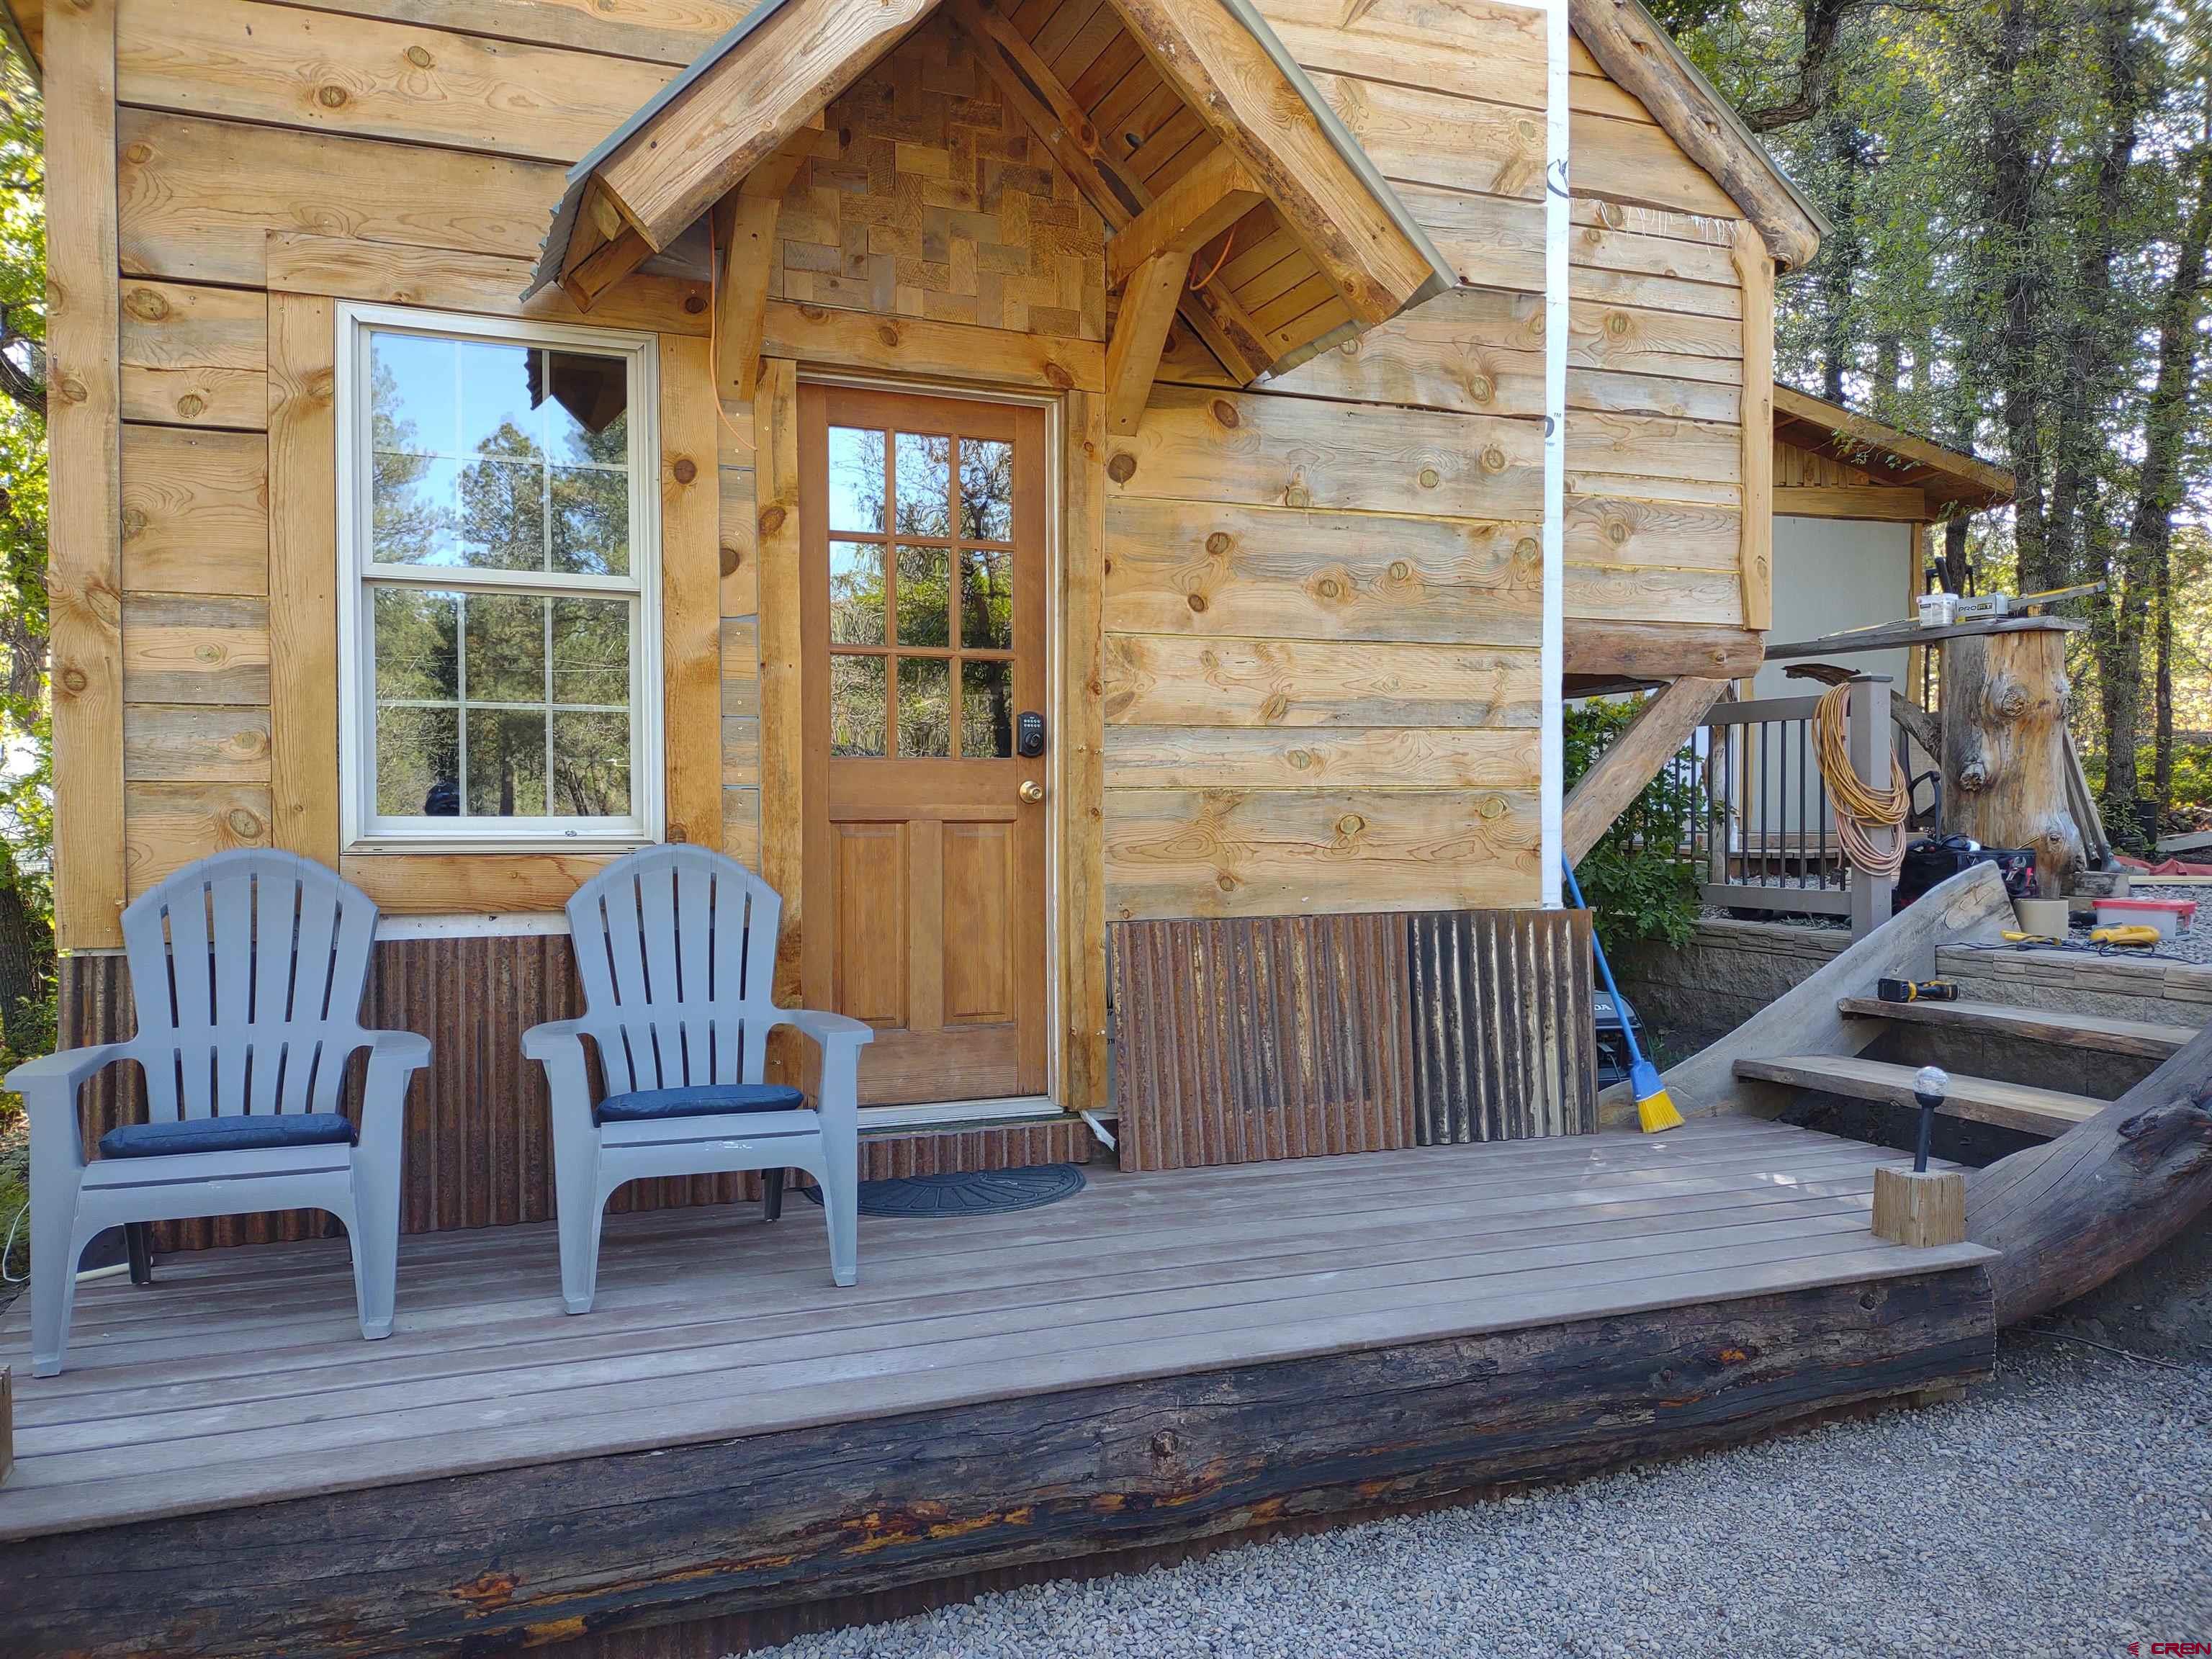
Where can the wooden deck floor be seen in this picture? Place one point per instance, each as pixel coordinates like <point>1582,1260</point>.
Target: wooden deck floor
<point>239,1378</point>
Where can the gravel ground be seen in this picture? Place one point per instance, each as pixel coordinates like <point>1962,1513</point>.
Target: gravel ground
<point>2064,1509</point>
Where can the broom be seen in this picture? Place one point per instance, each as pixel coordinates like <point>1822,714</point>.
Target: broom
<point>1655,1109</point>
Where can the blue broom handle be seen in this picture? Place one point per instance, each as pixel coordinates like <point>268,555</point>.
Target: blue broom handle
<point>1605,969</point>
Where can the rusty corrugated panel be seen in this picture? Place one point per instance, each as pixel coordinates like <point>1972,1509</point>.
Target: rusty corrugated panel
<point>1503,1044</point>
<point>478,1151</point>
<point>1242,1040</point>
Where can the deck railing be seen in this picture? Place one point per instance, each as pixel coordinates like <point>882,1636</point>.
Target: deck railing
<point>1760,831</point>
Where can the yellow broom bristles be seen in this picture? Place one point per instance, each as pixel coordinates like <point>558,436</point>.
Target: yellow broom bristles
<point>1656,1112</point>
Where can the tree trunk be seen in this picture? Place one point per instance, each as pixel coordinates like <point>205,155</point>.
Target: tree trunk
<point>2070,1213</point>
<point>2004,748</point>
<point>2162,683</point>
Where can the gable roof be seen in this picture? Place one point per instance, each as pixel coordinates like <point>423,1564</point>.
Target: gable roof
<point>1954,482</point>
<point>1265,155</point>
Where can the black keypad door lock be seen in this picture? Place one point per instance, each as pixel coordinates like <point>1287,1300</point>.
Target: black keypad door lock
<point>1029,734</point>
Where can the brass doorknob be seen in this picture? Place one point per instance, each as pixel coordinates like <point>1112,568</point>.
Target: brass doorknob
<point>1031,790</point>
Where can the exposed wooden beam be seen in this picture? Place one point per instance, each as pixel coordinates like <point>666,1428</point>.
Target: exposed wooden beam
<point>586,277</point>
<point>1755,271</point>
<point>1140,332</point>
<point>1851,501</point>
<point>1657,735</point>
<point>1227,77</point>
<point>1842,432</point>
<point>742,108</point>
<point>749,263</point>
<point>1193,210</point>
<point>1659,651</point>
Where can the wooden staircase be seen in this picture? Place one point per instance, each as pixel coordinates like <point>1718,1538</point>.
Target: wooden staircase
<point>2036,1111</point>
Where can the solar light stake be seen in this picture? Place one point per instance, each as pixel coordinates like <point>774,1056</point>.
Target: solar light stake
<point>1921,1206</point>
<point>1930,1084</point>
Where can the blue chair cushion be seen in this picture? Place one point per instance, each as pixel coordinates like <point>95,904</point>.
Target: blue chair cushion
<point>252,1133</point>
<point>697,1100</point>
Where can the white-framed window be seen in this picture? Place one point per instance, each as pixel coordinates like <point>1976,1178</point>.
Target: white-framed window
<point>498,493</point>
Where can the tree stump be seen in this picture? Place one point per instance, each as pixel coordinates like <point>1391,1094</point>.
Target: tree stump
<point>2004,748</point>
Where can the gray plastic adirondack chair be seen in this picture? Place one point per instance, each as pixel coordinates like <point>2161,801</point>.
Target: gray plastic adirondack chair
<point>247,969</point>
<point>676,946</point>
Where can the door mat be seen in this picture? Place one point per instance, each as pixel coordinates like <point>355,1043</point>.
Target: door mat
<point>981,1192</point>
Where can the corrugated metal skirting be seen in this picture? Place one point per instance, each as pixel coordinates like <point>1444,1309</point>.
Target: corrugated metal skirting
<point>479,1151</point>
<point>1241,1041</point>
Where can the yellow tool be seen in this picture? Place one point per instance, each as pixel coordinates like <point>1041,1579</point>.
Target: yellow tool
<point>2133,935</point>
<point>2013,935</point>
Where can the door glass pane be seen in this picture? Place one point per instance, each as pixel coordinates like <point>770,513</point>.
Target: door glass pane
<point>987,598</point>
<point>987,710</point>
<point>591,652</point>
<point>591,764</point>
<point>924,577</point>
<point>503,652</point>
<point>986,489</point>
<point>925,484</point>
<point>924,711</point>
<point>856,705</point>
<point>856,479</point>
<point>507,762</point>
<point>856,593</point>
<point>418,762</point>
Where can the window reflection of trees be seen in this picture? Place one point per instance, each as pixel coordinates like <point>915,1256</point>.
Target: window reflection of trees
<point>497,704</point>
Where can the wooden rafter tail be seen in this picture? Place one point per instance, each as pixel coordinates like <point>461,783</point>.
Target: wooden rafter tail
<point>1199,206</point>
<point>1657,735</point>
<point>1236,88</point>
<point>1141,333</point>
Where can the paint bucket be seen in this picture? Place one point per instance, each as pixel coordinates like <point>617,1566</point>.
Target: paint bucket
<point>2044,918</point>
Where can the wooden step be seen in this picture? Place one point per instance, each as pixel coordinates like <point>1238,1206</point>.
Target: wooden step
<point>2140,1038</point>
<point>2008,1105</point>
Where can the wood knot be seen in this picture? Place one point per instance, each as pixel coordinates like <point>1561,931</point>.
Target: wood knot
<point>323,385</point>
<point>1350,348</point>
<point>732,558</point>
<point>1616,531</point>
<point>419,57</point>
<point>1617,323</point>
<point>1528,548</point>
<point>1275,708</point>
<point>1482,388</point>
<point>1528,132</point>
<point>191,405</point>
<point>1058,378</point>
<point>1219,542</point>
<point>1166,1443</point>
<point>1429,477</point>
<point>134,522</point>
<point>678,833</point>
<point>1493,459</point>
<point>71,389</point>
<point>1122,467</point>
<point>1225,412</point>
<point>330,96</point>
<point>1350,825</point>
<point>243,823</point>
<point>1297,495</point>
<point>1299,760</point>
<point>771,519</point>
<point>694,304</point>
<point>138,153</point>
<point>1489,808</point>
<point>888,333</point>
<point>1198,602</point>
<point>73,681</point>
<point>1400,571</point>
<point>685,469</point>
<point>208,653</point>
<point>145,305</point>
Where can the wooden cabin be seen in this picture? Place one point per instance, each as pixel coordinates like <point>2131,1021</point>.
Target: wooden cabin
<point>1203,355</point>
<point>1062,488</point>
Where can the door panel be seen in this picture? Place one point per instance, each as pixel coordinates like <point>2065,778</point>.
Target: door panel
<point>924,615</point>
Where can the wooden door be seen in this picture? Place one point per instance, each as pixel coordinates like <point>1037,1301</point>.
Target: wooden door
<point>924,612</point>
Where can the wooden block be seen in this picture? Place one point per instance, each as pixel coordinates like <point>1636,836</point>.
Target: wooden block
<point>1920,1208</point>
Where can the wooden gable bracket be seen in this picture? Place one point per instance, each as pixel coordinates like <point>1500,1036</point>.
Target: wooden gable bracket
<point>1032,89</point>
<point>746,236</point>
<point>1632,759</point>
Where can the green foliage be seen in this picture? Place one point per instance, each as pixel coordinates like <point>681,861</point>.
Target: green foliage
<point>1640,889</point>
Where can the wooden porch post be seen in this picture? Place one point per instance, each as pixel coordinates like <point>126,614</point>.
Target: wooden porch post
<point>1870,758</point>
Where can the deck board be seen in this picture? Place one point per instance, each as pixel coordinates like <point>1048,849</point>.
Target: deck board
<point>238,1380</point>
